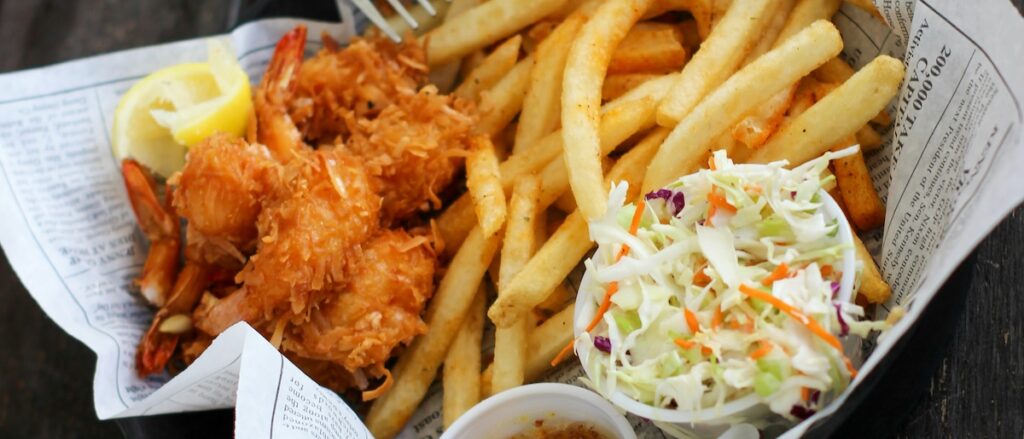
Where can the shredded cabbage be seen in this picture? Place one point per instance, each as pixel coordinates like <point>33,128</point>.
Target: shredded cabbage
<point>682,261</point>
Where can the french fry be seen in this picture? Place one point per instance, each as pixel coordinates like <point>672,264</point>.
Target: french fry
<point>649,47</point>
<point>537,33</point>
<point>510,341</point>
<point>483,179</point>
<point>623,119</point>
<point>691,39</point>
<point>868,138</point>
<point>755,129</point>
<point>500,104</point>
<point>835,71</point>
<point>542,104</point>
<point>838,198</point>
<point>471,62</point>
<point>444,76</point>
<point>563,251</point>
<point>566,203</point>
<point>873,287</point>
<point>838,71</point>
<point>484,25</point>
<point>619,84</point>
<point>461,373</point>
<point>805,13</point>
<point>882,118</point>
<point>684,150</point>
<point>545,341</point>
<point>804,97</point>
<point>585,69</point>
<point>718,57</point>
<point>455,223</point>
<point>490,70</point>
<point>550,265</point>
<point>845,110</point>
<point>773,28</point>
<point>540,227</point>
<point>558,298</point>
<point>418,366</point>
<point>854,180</point>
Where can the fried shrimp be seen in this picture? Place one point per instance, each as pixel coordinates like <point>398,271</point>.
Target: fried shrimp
<point>274,127</point>
<point>376,310</point>
<point>370,97</point>
<point>220,193</point>
<point>310,231</point>
<point>414,148</point>
<point>335,89</point>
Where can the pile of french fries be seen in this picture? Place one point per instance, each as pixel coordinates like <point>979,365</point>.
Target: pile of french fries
<point>574,95</point>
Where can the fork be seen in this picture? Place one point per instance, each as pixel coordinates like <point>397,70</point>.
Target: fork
<point>371,12</point>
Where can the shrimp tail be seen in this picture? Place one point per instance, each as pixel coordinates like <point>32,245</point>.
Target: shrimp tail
<point>160,225</point>
<point>274,127</point>
<point>171,321</point>
<point>279,80</point>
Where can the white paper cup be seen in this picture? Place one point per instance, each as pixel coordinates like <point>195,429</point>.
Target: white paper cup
<point>514,411</point>
<point>712,422</point>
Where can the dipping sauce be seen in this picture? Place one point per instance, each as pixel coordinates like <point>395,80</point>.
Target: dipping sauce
<point>562,430</point>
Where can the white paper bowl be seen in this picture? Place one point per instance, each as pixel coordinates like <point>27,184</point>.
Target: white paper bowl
<point>515,410</point>
<point>711,423</point>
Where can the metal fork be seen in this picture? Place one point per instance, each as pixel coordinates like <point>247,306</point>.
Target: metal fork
<point>371,12</point>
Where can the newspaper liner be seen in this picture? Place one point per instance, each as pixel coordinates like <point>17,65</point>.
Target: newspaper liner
<point>72,239</point>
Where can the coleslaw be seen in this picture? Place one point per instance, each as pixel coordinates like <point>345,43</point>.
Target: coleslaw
<point>720,286</point>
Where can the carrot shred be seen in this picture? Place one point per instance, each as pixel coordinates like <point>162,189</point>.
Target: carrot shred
<point>606,303</point>
<point>711,163</point>
<point>371,395</point>
<point>716,318</point>
<point>710,215</point>
<point>800,317</point>
<point>701,279</point>
<point>685,344</point>
<point>719,201</point>
<point>805,393</point>
<point>613,287</point>
<point>780,272</point>
<point>691,320</point>
<point>637,215</point>
<point>766,347</point>
<point>826,270</point>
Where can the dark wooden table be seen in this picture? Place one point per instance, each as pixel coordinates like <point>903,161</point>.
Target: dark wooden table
<point>46,376</point>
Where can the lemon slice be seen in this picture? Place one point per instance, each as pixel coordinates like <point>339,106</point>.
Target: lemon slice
<point>179,106</point>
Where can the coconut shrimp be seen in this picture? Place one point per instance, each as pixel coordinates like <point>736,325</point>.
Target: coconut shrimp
<point>375,311</point>
<point>370,97</point>
<point>274,126</point>
<point>220,192</point>
<point>337,88</point>
<point>414,149</point>
<point>310,230</point>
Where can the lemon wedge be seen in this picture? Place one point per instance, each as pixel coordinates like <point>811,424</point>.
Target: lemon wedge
<point>179,106</point>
